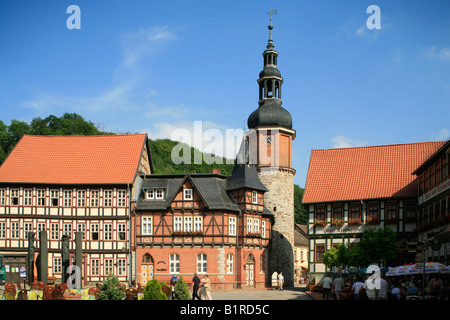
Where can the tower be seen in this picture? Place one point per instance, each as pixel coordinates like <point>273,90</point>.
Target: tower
<point>270,137</point>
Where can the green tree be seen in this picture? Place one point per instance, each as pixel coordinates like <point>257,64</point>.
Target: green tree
<point>111,289</point>
<point>300,212</point>
<point>153,291</point>
<point>330,258</point>
<point>380,244</point>
<point>181,290</point>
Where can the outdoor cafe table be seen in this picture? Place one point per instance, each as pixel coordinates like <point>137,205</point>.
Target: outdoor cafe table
<point>31,295</point>
<point>84,293</point>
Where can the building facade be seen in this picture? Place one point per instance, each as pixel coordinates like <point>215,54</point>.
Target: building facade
<point>353,189</point>
<point>433,225</point>
<point>205,224</point>
<point>64,185</point>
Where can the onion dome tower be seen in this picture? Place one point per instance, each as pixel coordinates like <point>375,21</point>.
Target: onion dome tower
<point>270,137</point>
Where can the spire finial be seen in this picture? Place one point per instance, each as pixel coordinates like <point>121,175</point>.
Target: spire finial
<point>270,13</point>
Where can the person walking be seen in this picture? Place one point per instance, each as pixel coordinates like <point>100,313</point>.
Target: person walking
<point>326,287</point>
<point>207,287</point>
<point>280,281</point>
<point>195,287</point>
<point>338,286</point>
<point>356,289</point>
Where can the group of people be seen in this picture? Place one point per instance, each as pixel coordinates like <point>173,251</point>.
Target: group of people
<point>201,288</point>
<point>376,287</point>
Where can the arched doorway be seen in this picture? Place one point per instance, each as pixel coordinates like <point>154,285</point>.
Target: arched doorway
<point>146,269</point>
<point>250,270</point>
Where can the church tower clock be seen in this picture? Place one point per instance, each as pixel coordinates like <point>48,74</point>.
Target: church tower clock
<point>270,139</point>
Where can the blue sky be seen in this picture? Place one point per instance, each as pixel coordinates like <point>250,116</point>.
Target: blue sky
<point>155,66</point>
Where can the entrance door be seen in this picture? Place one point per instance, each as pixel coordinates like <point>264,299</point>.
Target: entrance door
<point>250,271</point>
<point>146,269</point>
<point>16,267</point>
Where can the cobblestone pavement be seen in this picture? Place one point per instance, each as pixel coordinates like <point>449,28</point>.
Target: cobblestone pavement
<point>295,293</point>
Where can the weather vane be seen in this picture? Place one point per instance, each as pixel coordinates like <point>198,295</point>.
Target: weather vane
<point>270,13</point>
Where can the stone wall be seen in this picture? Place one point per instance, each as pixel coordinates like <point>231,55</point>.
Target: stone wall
<point>280,201</point>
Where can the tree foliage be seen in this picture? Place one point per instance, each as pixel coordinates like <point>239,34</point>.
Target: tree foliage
<point>300,212</point>
<point>153,291</point>
<point>111,289</point>
<point>181,290</point>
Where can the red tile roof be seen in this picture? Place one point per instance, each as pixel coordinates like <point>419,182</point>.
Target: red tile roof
<point>365,172</point>
<point>103,159</point>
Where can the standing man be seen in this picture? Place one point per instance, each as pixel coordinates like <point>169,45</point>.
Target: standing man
<point>326,287</point>
<point>195,286</point>
<point>280,281</point>
<point>338,286</point>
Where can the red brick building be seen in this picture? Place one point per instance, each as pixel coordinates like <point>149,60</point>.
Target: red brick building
<point>205,224</point>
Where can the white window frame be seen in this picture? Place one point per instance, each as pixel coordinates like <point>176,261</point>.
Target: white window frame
<point>107,198</point>
<point>187,224</point>
<point>107,231</point>
<point>150,194</point>
<point>202,263</point>
<point>67,198</point>
<point>82,228</point>
<point>28,197</point>
<point>263,228</point>
<point>2,230</point>
<point>54,231</point>
<point>94,229</point>
<point>230,263</point>
<point>40,197</point>
<point>198,224</point>
<point>81,198</point>
<point>121,198</point>
<point>14,194</point>
<point>67,230</point>
<point>2,197</point>
<point>121,267</point>
<point>174,263</point>
<point>177,224</point>
<point>159,194</point>
<point>147,226</point>
<point>249,225</point>
<point>108,266</point>
<point>95,267</point>
<point>54,195</point>
<point>188,194</point>
<point>121,229</point>
<point>232,226</point>
<point>57,265</point>
<point>27,227</point>
<point>256,225</point>
<point>254,197</point>
<point>94,198</point>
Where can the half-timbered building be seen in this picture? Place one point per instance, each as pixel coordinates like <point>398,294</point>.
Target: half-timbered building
<point>433,225</point>
<point>205,224</point>
<point>68,184</point>
<point>350,190</point>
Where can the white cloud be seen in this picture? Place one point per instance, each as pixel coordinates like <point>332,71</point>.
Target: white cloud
<point>437,54</point>
<point>343,142</point>
<point>443,134</point>
<point>206,136</point>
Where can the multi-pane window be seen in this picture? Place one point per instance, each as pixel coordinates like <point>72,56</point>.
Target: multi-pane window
<point>147,226</point>
<point>177,224</point>
<point>94,231</point>
<point>67,198</point>
<point>320,213</point>
<point>372,211</point>
<point>187,224</point>
<point>68,230</point>
<point>249,225</point>
<point>122,231</point>
<point>40,227</point>
<point>54,231</point>
<point>150,194</point>
<point>107,198</point>
<point>108,265</point>
<point>107,231</point>
<point>198,224</point>
<point>27,227</point>
<point>14,197</point>
<point>337,213</point>
<point>254,197</point>
<point>54,197</point>
<point>82,228</point>
<point>391,211</point>
<point>14,230</point>
<point>232,226</point>
<point>57,265</point>
<point>41,197</point>
<point>411,211</point>
<point>320,251</point>
<point>187,194</point>
<point>2,197</point>
<point>2,230</point>
<point>256,225</point>
<point>263,229</point>
<point>27,197</point>
<point>202,263</point>
<point>121,267</point>
<point>94,198</point>
<point>355,212</point>
<point>159,194</point>
<point>174,263</point>
<point>230,263</point>
<point>121,198</point>
<point>81,198</point>
<point>95,267</point>
<point>154,194</point>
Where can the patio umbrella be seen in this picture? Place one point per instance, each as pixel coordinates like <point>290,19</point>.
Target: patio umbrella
<point>399,270</point>
<point>430,267</point>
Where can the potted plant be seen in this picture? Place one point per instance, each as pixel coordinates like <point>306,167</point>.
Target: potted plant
<point>320,223</point>
<point>337,222</point>
<point>354,221</point>
<point>372,221</point>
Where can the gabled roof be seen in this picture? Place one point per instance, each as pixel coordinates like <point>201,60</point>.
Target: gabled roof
<point>210,187</point>
<point>365,172</point>
<point>103,159</point>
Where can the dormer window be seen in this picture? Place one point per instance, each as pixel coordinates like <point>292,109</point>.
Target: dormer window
<point>154,194</point>
<point>254,197</point>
